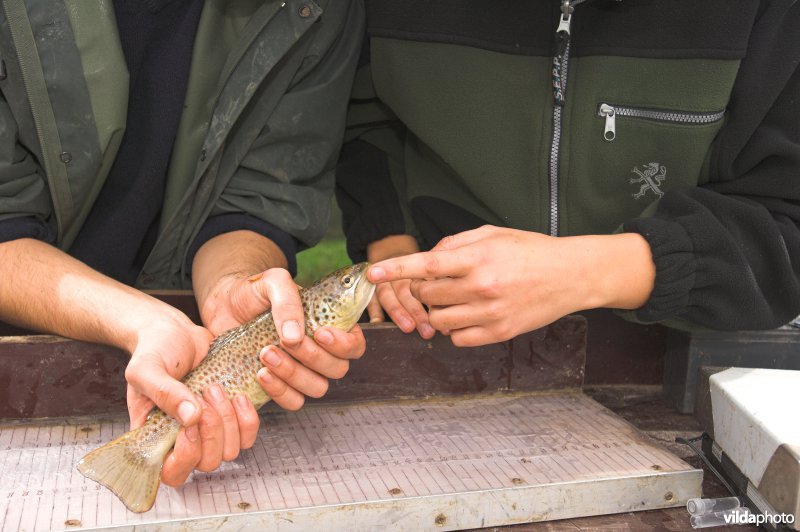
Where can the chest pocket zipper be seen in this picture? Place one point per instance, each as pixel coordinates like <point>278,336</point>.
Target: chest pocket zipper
<point>611,112</point>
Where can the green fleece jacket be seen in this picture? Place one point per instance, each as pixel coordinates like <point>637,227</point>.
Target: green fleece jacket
<point>676,119</point>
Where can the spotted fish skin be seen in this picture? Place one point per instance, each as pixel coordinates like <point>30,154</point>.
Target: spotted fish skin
<point>130,466</point>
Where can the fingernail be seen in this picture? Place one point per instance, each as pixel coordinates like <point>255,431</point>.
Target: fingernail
<point>186,411</point>
<point>241,401</point>
<point>291,331</point>
<point>216,393</point>
<point>192,434</point>
<point>265,376</point>
<point>405,323</point>
<point>270,357</point>
<point>377,273</point>
<point>427,330</point>
<point>325,337</point>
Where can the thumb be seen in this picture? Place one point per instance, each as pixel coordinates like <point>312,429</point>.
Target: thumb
<point>287,307</point>
<point>172,396</point>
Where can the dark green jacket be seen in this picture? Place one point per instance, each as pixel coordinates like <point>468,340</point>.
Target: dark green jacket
<point>676,119</point>
<point>259,134</point>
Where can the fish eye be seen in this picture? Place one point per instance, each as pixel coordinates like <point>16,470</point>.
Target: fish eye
<point>347,280</point>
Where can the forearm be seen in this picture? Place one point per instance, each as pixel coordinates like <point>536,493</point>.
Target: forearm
<point>45,289</point>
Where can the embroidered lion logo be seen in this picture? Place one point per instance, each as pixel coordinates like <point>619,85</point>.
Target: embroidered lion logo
<point>650,177</point>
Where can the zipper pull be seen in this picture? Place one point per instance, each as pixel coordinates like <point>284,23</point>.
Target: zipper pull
<point>610,113</point>
<point>566,17</point>
<point>563,29</point>
<point>562,41</point>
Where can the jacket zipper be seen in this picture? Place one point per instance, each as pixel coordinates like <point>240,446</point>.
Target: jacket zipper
<point>611,112</point>
<point>559,80</point>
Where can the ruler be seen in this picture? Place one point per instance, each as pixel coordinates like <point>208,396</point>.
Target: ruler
<point>408,465</point>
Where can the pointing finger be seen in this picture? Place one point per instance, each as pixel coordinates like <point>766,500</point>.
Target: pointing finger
<point>425,265</point>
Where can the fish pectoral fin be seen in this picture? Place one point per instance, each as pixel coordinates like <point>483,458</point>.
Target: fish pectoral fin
<point>224,338</point>
<point>133,475</point>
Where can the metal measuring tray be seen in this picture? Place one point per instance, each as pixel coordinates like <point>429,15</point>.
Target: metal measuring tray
<point>437,464</point>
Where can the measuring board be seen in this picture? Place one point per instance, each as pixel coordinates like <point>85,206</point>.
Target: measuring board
<point>406,465</point>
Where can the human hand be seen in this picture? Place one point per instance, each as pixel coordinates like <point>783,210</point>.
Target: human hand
<point>395,296</point>
<point>235,279</point>
<point>490,284</point>
<point>166,349</point>
<point>301,365</point>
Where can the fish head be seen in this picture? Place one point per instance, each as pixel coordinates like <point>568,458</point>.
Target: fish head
<point>339,299</point>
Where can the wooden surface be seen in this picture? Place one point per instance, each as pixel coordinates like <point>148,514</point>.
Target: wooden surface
<point>48,376</point>
<point>78,378</point>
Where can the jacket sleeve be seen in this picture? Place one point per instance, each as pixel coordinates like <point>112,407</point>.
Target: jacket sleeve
<point>286,178</point>
<point>727,254</point>
<point>25,206</point>
<point>370,171</point>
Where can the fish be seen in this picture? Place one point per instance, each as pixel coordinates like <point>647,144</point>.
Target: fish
<point>130,466</point>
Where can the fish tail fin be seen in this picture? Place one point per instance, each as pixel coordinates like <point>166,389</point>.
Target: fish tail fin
<point>128,468</point>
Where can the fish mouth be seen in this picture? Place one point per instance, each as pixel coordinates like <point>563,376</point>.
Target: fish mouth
<point>364,289</point>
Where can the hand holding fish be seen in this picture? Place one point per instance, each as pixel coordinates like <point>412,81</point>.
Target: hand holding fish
<point>166,350</point>
<point>131,465</point>
<point>240,275</point>
<point>299,366</point>
<point>490,284</point>
<point>235,279</point>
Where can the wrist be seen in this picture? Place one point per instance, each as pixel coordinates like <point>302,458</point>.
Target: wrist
<point>625,275</point>
<point>226,259</point>
<point>142,314</point>
<point>220,298</point>
<point>220,272</point>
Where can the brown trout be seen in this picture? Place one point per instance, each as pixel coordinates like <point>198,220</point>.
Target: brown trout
<point>130,466</point>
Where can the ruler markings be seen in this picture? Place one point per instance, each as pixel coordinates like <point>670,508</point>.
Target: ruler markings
<point>337,454</point>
